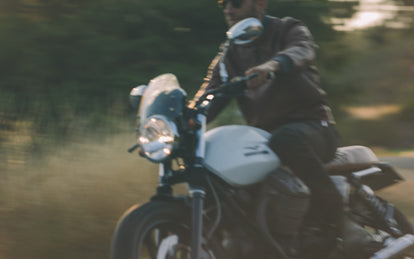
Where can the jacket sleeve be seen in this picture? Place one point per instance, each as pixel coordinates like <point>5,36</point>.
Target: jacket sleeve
<point>298,48</point>
<point>211,81</point>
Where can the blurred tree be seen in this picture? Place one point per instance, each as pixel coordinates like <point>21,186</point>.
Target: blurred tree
<point>333,53</point>
<point>63,58</point>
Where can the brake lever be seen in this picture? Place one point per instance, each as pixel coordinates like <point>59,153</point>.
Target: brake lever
<point>132,149</point>
<point>238,84</point>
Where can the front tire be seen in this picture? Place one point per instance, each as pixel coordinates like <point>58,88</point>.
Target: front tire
<point>157,229</point>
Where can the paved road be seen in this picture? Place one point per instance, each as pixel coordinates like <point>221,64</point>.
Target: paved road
<point>403,162</point>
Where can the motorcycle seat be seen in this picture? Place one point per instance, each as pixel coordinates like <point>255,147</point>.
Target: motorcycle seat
<point>351,158</point>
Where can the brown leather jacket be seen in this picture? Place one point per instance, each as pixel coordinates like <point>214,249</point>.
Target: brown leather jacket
<point>292,95</point>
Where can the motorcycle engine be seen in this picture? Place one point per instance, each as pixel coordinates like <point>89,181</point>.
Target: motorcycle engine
<point>284,202</point>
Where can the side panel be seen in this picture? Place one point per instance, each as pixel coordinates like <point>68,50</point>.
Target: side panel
<point>239,154</point>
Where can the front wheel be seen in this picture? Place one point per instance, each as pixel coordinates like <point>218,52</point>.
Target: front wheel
<point>155,230</point>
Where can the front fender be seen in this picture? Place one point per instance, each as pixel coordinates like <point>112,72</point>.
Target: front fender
<point>184,200</point>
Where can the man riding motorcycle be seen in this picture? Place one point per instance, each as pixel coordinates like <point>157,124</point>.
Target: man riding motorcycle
<point>284,99</point>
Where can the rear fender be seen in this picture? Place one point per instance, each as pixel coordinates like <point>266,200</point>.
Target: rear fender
<point>385,178</point>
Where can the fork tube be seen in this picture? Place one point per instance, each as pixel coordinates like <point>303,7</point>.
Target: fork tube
<point>197,192</point>
<point>197,214</point>
<point>200,151</point>
<point>161,173</point>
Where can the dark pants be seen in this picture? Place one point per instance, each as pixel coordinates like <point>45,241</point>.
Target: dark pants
<point>304,147</point>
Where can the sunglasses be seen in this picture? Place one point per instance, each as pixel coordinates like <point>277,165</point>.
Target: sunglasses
<point>235,3</point>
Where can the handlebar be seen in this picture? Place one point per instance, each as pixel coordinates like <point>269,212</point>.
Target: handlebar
<point>227,90</point>
<point>236,86</point>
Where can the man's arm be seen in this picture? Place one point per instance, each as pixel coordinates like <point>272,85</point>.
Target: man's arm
<point>211,81</point>
<point>298,52</point>
<point>299,47</point>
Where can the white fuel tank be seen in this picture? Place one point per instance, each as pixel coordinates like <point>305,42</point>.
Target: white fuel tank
<point>239,154</point>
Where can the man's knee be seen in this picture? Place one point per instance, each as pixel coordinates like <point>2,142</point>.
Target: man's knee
<point>288,142</point>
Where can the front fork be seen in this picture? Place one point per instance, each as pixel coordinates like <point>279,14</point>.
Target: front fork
<point>196,182</point>
<point>197,192</point>
<point>197,195</point>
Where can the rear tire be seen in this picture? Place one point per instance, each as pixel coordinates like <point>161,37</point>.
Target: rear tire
<point>157,229</point>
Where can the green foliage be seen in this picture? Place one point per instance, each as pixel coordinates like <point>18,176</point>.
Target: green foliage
<point>66,61</point>
<point>380,72</point>
<point>62,59</point>
<point>312,13</point>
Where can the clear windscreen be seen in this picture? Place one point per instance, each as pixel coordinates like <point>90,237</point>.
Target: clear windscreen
<point>163,96</point>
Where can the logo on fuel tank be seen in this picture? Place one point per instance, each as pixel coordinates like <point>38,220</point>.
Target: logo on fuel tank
<point>256,150</point>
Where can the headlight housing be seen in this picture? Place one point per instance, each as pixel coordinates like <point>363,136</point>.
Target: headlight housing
<point>158,138</point>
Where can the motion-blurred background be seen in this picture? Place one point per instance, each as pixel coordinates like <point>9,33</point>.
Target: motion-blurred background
<point>66,69</point>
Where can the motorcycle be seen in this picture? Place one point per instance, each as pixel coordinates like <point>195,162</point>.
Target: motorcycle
<point>242,202</point>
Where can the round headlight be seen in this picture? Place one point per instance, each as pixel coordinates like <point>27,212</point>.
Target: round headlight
<point>158,138</point>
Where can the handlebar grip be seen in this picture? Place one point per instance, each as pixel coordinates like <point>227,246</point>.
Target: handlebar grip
<point>271,75</point>
<point>243,79</point>
<point>251,76</point>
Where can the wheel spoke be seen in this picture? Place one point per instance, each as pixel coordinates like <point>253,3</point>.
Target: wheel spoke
<point>164,239</point>
<point>151,244</point>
